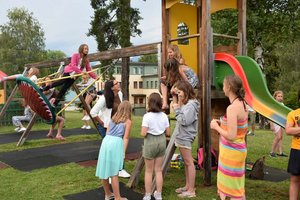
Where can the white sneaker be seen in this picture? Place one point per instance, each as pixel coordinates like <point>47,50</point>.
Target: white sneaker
<point>157,195</point>
<point>83,127</point>
<point>124,174</point>
<point>147,197</point>
<point>21,130</point>
<point>17,129</point>
<point>88,127</point>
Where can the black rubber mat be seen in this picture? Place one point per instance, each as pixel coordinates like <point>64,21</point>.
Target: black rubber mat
<point>97,194</point>
<point>14,137</point>
<point>43,157</point>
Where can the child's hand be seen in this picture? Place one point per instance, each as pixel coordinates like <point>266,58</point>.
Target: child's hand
<point>176,106</point>
<point>214,124</point>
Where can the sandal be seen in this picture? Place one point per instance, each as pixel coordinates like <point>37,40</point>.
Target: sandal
<point>110,197</point>
<point>187,194</point>
<point>50,136</point>
<point>180,190</point>
<point>60,138</point>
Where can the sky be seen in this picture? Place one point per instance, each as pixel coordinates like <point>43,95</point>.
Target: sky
<point>66,22</point>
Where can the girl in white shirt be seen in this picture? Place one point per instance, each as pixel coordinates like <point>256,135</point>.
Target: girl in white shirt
<point>155,128</point>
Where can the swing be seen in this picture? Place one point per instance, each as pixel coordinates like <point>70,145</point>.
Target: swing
<point>36,99</point>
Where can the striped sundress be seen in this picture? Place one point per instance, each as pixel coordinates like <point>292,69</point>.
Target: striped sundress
<point>232,157</point>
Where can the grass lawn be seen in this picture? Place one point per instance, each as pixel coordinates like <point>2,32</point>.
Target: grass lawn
<point>55,182</point>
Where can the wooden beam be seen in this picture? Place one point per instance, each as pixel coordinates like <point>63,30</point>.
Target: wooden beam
<point>104,55</point>
<point>26,133</point>
<point>10,98</point>
<point>242,45</point>
<point>206,65</point>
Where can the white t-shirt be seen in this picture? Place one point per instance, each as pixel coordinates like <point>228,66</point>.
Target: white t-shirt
<point>155,122</point>
<point>33,78</point>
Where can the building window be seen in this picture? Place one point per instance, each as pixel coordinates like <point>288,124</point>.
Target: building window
<point>135,100</point>
<point>140,84</point>
<point>151,84</point>
<point>135,70</point>
<point>183,30</point>
<point>156,86</point>
<point>141,100</point>
<point>147,84</point>
<point>135,85</point>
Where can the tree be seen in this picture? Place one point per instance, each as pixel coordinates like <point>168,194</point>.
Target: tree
<point>289,69</point>
<point>151,58</point>
<point>21,41</point>
<point>112,25</point>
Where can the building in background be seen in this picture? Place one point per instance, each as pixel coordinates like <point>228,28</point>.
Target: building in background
<point>143,81</point>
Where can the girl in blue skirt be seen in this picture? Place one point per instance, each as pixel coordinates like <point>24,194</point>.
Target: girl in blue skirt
<point>112,150</point>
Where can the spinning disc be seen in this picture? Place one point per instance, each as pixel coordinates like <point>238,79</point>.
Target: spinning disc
<point>36,99</point>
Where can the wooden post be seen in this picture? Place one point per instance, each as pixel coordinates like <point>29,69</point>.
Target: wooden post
<point>27,131</point>
<point>10,98</point>
<point>85,106</point>
<point>206,64</point>
<point>242,45</point>
<point>134,178</point>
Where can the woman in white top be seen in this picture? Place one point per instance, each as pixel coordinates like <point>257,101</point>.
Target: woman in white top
<point>107,105</point>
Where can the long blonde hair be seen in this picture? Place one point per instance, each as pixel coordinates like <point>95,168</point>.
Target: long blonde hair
<point>123,113</point>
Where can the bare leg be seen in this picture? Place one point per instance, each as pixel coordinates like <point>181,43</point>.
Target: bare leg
<point>275,143</point>
<point>189,164</point>
<point>294,187</point>
<point>106,188</point>
<point>279,145</point>
<point>60,122</point>
<point>115,187</point>
<point>149,167</point>
<point>158,173</point>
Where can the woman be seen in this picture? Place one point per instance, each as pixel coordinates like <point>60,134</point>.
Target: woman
<point>232,129</point>
<point>79,63</point>
<point>107,105</point>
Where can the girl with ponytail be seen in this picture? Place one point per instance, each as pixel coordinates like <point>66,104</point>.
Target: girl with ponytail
<point>232,128</point>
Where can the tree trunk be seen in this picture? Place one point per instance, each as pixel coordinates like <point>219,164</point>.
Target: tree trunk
<point>125,78</point>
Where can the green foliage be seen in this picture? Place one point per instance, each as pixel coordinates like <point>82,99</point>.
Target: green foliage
<point>52,55</point>
<point>271,23</point>
<point>289,72</point>
<point>113,24</point>
<point>151,58</point>
<point>21,41</point>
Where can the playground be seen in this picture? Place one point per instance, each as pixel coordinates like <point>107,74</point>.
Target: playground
<point>67,179</point>
<point>33,166</point>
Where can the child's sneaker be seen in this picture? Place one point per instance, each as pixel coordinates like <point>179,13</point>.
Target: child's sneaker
<point>21,130</point>
<point>83,127</point>
<point>272,154</point>
<point>157,195</point>
<point>88,127</point>
<point>147,196</point>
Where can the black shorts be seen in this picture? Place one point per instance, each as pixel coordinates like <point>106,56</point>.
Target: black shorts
<point>294,162</point>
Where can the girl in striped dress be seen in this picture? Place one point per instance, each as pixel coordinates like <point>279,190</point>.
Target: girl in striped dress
<point>112,150</point>
<point>232,129</point>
